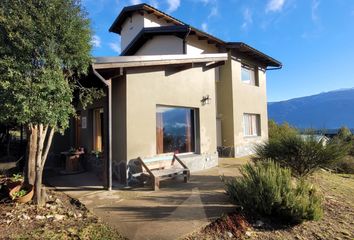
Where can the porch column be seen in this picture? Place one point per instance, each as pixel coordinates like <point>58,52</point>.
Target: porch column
<point>108,83</point>
<point>109,137</point>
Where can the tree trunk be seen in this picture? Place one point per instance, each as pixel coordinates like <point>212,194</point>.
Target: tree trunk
<point>30,174</point>
<point>38,148</point>
<point>43,147</point>
<point>38,187</point>
<point>8,138</point>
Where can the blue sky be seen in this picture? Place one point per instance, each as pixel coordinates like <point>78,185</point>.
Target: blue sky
<point>314,39</point>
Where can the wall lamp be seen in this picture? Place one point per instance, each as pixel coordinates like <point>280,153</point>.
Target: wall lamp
<point>206,100</point>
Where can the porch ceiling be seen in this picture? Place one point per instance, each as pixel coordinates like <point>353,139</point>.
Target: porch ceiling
<point>113,66</point>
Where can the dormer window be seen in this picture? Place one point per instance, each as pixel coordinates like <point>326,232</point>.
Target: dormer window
<point>248,75</point>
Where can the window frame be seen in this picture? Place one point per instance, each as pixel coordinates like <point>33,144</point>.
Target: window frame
<point>258,127</point>
<point>251,69</point>
<point>195,139</point>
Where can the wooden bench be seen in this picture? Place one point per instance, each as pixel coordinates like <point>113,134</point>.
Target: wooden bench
<point>164,167</point>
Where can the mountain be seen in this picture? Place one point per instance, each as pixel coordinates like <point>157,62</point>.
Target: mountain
<point>329,110</point>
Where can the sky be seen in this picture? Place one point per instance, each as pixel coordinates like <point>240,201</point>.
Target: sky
<point>314,39</point>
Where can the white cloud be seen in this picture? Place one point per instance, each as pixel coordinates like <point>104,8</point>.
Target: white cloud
<point>134,2</point>
<point>115,47</point>
<point>247,18</point>
<point>173,5</point>
<point>96,41</point>
<point>213,12</point>
<point>154,3</point>
<point>274,5</point>
<point>314,8</point>
<point>205,2</point>
<point>204,27</point>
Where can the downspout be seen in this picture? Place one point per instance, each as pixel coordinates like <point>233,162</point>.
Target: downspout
<point>109,166</point>
<point>185,40</point>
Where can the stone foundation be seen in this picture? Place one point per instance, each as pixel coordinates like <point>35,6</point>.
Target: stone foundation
<point>197,162</point>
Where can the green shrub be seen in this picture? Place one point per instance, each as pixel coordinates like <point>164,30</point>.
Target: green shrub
<point>277,131</point>
<point>345,165</point>
<point>269,190</point>
<point>302,156</point>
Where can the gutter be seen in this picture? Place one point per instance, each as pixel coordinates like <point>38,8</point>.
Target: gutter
<point>274,68</point>
<point>109,165</point>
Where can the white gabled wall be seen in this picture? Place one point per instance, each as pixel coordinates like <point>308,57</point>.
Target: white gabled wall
<point>162,45</point>
<point>173,45</point>
<point>130,28</point>
<point>134,24</point>
<point>196,46</point>
<point>151,20</point>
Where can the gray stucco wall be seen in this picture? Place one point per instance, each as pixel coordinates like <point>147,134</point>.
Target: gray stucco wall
<point>149,87</point>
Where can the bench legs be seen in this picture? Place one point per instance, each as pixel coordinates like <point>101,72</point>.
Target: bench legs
<point>156,183</point>
<point>156,180</point>
<point>186,174</point>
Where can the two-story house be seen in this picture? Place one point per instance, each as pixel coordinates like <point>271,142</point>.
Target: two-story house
<point>173,89</point>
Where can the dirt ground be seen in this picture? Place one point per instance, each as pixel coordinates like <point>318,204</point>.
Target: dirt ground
<point>337,222</point>
<point>61,218</point>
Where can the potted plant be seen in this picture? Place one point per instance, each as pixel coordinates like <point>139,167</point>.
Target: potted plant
<point>22,193</point>
<point>14,181</point>
<point>96,153</point>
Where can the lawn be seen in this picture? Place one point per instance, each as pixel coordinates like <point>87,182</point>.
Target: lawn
<point>337,222</point>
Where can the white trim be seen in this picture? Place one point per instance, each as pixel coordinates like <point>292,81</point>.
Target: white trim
<point>155,60</point>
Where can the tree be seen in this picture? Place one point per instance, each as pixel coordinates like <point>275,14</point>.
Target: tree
<point>276,131</point>
<point>344,133</point>
<point>44,48</point>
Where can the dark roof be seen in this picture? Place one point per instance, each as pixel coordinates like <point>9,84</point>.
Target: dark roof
<point>127,11</point>
<point>242,49</point>
<point>147,33</point>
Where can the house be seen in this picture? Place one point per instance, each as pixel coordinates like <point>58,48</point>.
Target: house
<point>315,137</point>
<point>173,89</point>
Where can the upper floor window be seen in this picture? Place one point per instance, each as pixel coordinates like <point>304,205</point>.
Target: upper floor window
<point>248,75</point>
<point>251,125</point>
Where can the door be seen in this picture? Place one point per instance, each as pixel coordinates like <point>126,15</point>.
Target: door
<point>98,130</point>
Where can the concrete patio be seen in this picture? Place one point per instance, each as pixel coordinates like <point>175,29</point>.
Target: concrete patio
<point>174,211</point>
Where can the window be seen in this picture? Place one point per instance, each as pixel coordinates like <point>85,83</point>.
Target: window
<point>175,129</point>
<point>248,75</point>
<point>98,130</point>
<point>251,125</point>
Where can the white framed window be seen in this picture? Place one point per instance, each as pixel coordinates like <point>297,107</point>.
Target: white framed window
<point>251,125</point>
<point>176,129</point>
<point>248,75</point>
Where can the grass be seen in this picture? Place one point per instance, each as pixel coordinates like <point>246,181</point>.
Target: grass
<point>337,222</point>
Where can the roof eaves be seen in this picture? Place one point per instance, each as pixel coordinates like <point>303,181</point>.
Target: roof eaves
<point>146,33</point>
<point>126,11</point>
<point>153,60</point>
<point>243,46</point>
